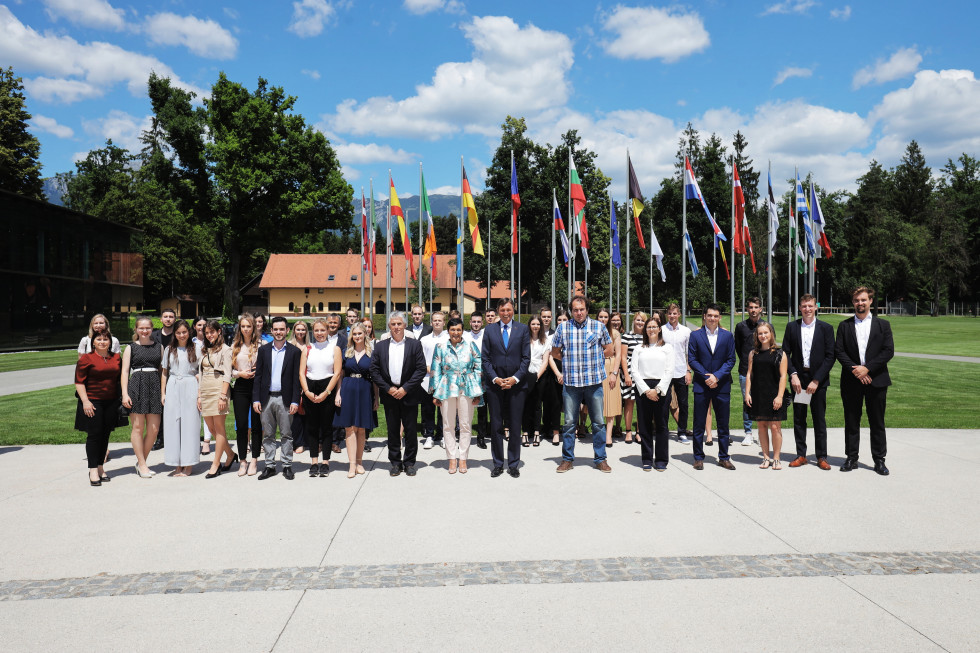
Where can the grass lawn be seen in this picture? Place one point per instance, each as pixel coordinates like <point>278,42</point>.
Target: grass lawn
<point>31,360</point>
<point>921,397</point>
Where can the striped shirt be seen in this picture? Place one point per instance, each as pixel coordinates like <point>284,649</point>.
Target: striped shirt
<point>581,348</point>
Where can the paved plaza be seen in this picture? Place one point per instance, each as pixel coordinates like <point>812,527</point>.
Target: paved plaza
<point>798,559</point>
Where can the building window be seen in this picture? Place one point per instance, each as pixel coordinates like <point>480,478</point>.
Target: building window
<point>334,307</point>
<point>291,307</point>
<point>320,308</point>
<point>353,277</point>
<point>330,278</point>
<point>320,290</point>
<point>306,291</point>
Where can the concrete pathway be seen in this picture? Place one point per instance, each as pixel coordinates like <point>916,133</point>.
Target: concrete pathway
<point>940,357</point>
<point>42,378</point>
<point>795,559</point>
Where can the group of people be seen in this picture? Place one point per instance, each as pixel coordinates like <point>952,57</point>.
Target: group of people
<point>314,381</point>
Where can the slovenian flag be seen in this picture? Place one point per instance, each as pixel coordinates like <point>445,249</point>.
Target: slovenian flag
<point>560,226</point>
<point>693,192</point>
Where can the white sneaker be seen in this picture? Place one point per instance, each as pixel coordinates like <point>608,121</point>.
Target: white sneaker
<point>748,440</point>
<point>683,439</point>
<point>441,444</point>
<point>427,444</point>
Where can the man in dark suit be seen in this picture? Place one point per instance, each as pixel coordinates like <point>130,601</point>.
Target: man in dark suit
<point>506,354</point>
<point>711,356</point>
<point>275,396</point>
<point>809,344</point>
<point>397,368</point>
<point>418,328</point>
<point>864,347</point>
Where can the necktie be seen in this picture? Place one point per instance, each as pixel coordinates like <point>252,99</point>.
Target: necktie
<point>506,336</point>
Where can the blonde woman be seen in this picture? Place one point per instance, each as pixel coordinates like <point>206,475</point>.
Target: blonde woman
<point>612,399</point>
<point>97,323</point>
<point>213,392</point>
<point>765,385</point>
<point>301,339</point>
<point>628,343</point>
<point>141,379</point>
<point>244,350</point>
<point>319,374</point>
<point>357,398</point>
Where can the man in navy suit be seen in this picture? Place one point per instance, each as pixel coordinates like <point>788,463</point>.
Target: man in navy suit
<point>809,343</point>
<point>397,368</point>
<point>864,347</point>
<point>506,354</point>
<point>275,396</point>
<point>711,356</point>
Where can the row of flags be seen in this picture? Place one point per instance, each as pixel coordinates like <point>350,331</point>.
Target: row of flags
<point>807,210</point>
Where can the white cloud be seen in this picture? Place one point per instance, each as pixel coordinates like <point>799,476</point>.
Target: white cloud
<point>313,74</point>
<point>124,129</point>
<point>654,33</point>
<point>509,69</point>
<point>205,38</point>
<point>65,91</point>
<point>51,126</point>
<point>901,64</point>
<point>310,17</point>
<point>426,6</point>
<point>791,71</point>
<point>940,110</point>
<point>100,65</point>
<point>360,153</point>
<point>90,13</point>
<point>790,7</point>
<point>444,190</point>
<point>841,14</point>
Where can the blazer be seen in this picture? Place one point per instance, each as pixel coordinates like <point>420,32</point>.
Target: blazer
<point>426,330</point>
<point>880,350</point>
<point>263,374</point>
<point>504,363</point>
<point>413,370</point>
<point>703,362</point>
<point>821,350</point>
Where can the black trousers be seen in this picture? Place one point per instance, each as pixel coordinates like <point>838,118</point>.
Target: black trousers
<point>318,423</point>
<point>855,396</point>
<point>651,421</point>
<point>241,397</point>
<point>400,414</point>
<point>818,412</point>
<point>551,403</point>
<point>681,390</point>
<point>98,428</point>
<point>431,425</point>
<point>505,405</point>
<point>481,420</point>
<point>532,404</point>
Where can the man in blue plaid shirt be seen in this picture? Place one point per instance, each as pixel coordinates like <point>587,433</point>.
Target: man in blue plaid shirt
<point>582,344</point>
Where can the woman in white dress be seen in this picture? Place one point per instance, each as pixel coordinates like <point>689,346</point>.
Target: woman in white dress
<point>181,419</point>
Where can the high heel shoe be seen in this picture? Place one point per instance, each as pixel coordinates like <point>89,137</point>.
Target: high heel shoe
<point>525,442</point>
<point>141,474</point>
<point>537,441</point>
<point>226,468</point>
<point>215,473</point>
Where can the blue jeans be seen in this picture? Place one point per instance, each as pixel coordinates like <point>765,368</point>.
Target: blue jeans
<point>591,397</point>
<point>746,422</point>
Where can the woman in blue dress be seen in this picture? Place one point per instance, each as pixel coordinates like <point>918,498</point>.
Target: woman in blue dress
<point>357,397</point>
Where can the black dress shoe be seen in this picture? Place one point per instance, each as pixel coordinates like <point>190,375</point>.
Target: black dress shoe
<point>287,473</point>
<point>513,471</point>
<point>481,443</point>
<point>849,464</point>
<point>105,478</point>
<point>497,471</point>
<point>268,472</point>
<point>396,469</point>
<point>409,470</point>
<point>881,469</point>
<point>158,445</point>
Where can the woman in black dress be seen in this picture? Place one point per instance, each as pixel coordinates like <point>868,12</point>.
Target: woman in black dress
<point>765,385</point>
<point>142,367</point>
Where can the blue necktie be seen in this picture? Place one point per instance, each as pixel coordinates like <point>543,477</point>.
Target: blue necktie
<point>506,335</point>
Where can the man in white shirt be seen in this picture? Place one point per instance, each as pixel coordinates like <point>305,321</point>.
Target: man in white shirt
<point>678,336</point>
<point>429,343</point>
<point>475,335</point>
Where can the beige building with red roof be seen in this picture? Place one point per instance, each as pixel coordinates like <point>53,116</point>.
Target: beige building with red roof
<point>315,284</point>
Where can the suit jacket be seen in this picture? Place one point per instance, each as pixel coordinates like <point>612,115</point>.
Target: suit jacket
<point>290,375</point>
<point>703,362</point>
<point>426,330</point>
<point>821,350</point>
<point>413,370</point>
<point>504,363</point>
<point>880,350</point>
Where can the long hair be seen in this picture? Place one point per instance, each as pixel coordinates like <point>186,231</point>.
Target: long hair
<point>141,318</point>
<point>773,345</point>
<point>91,332</point>
<point>239,341</point>
<point>292,338</point>
<point>206,347</point>
<point>542,334</point>
<point>368,345</point>
<point>642,315</point>
<point>660,333</point>
<point>191,349</point>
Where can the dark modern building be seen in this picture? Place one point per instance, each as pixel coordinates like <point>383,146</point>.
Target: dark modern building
<point>58,268</point>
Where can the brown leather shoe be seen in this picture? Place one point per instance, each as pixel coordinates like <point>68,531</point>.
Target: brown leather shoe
<point>698,464</point>
<point>727,464</point>
<point>564,466</point>
<point>604,467</point>
<point>800,461</point>
<point>822,464</point>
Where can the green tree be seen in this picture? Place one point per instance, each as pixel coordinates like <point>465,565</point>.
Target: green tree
<point>960,190</point>
<point>20,171</point>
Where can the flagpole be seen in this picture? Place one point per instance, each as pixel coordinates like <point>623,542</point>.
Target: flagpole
<point>511,248</point>
<point>731,277</point>
<point>683,244</point>
<point>363,251</point>
<point>461,230</point>
<point>371,276</point>
<point>789,265</point>
<point>388,308</point>
<point>651,265</point>
<point>554,254</point>
<point>629,221</point>
<point>571,232</point>
<point>610,254</point>
<point>418,283</point>
<point>489,245</point>
<point>770,242</point>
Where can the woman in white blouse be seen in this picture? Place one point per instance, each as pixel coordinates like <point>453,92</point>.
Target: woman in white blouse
<point>651,370</point>
<point>540,353</point>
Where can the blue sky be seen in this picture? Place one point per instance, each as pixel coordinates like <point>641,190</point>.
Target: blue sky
<point>825,86</point>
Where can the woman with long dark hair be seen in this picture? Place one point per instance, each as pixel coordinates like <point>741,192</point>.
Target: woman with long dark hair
<point>244,350</point>
<point>181,419</point>
<point>141,381</point>
<point>540,353</point>
<point>213,393</point>
<point>97,384</point>
<point>652,371</point>
<point>627,388</point>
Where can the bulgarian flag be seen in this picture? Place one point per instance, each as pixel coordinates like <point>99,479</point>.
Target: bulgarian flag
<point>396,210</point>
<point>578,203</point>
<point>743,241</point>
<point>470,208</point>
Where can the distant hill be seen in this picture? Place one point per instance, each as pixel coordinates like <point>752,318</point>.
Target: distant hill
<point>442,205</point>
<point>53,190</point>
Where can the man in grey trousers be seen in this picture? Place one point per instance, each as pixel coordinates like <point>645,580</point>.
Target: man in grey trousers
<point>275,396</point>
